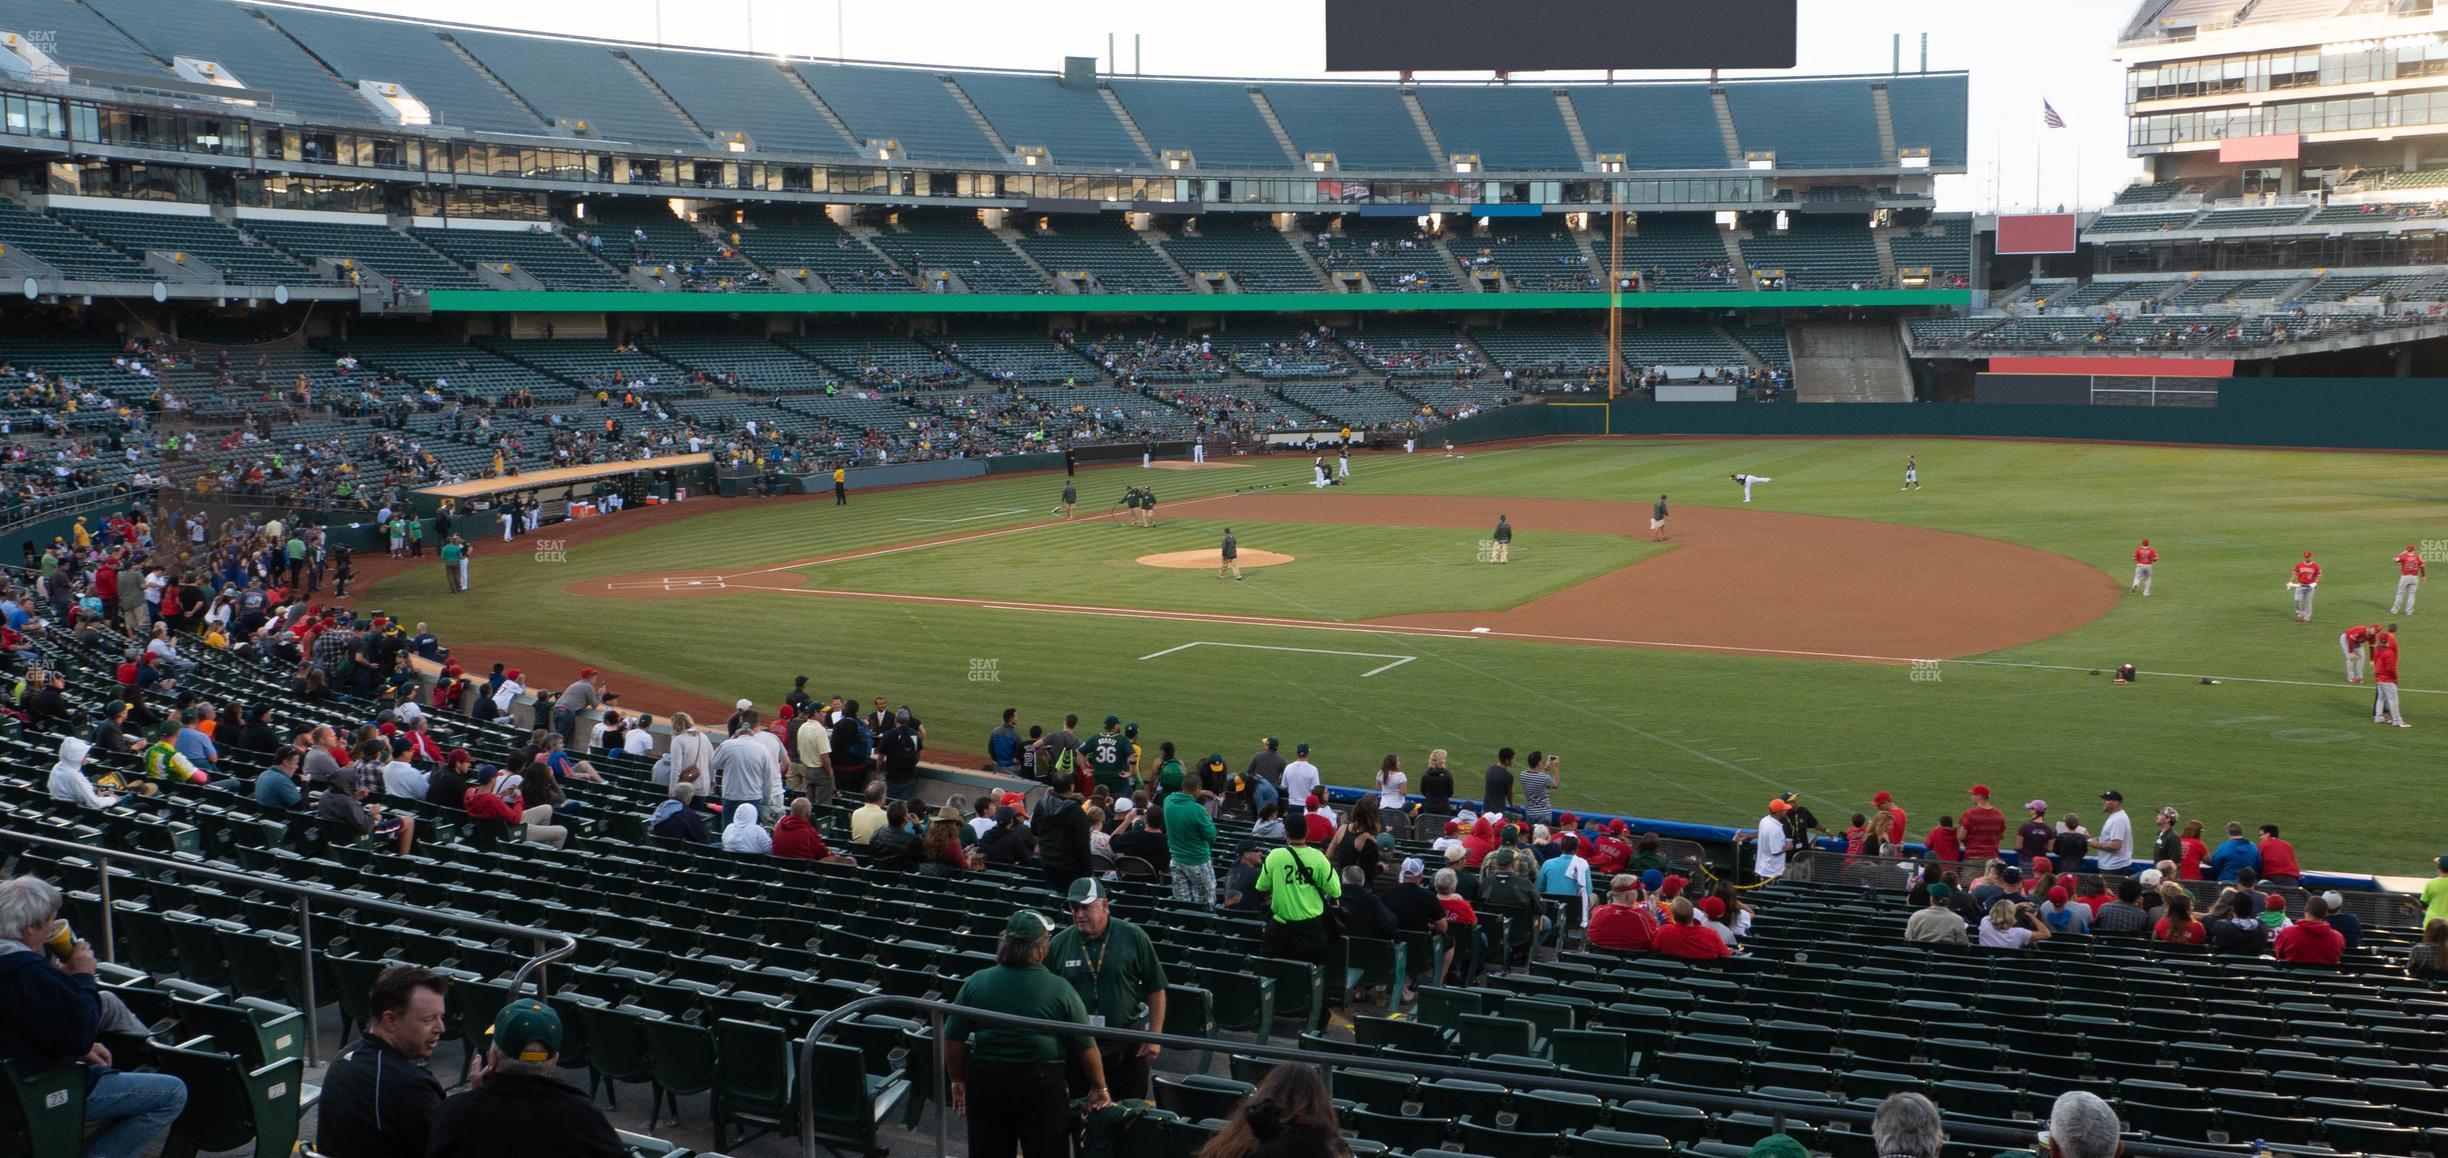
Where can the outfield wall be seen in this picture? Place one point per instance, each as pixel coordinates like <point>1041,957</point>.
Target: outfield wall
<point>2343,413</point>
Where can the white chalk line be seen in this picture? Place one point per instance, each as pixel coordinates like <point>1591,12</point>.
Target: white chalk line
<point>1399,660</point>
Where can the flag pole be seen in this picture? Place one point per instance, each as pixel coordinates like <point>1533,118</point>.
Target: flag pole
<point>2039,158</point>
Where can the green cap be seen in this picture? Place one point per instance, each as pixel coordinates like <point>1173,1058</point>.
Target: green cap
<point>1086,890</point>
<point>1779,1146</point>
<point>1028,923</point>
<point>1939,891</point>
<point>528,1030</point>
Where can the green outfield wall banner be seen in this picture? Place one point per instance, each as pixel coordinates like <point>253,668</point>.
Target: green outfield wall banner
<point>576,302</point>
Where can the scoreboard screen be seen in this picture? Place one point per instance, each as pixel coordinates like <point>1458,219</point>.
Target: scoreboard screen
<point>1532,35</point>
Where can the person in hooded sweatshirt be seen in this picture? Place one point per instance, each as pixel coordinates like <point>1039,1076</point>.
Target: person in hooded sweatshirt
<point>68,779</point>
<point>742,833</point>
<point>674,818</point>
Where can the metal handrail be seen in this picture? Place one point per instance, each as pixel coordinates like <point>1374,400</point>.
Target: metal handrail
<point>552,946</point>
<point>74,502</point>
<point>1853,1116</point>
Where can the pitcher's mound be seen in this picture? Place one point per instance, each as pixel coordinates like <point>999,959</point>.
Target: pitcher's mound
<point>1200,465</point>
<point>1211,558</point>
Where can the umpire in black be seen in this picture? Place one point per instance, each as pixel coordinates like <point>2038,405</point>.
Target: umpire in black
<point>1021,1103</point>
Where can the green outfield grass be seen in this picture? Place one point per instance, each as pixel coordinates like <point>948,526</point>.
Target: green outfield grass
<point>1672,734</point>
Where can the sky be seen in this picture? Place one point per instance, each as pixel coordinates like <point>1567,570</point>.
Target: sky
<point>2018,55</point>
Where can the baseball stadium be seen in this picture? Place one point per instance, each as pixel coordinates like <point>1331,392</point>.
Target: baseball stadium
<point>1595,587</point>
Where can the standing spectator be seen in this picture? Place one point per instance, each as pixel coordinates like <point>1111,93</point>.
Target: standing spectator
<point>1023,1102</point>
<point>51,1014</point>
<point>2310,941</point>
<point>1190,843</point>
<point>1289,1115</point>
<point>1566,877</point>
<point>1945,842</point>
<point>746,772</point>
<point>1773,845</point>
<point>1894,831</point>
<point>1300,778</point>
<point>1437,786</point>
<point>514,1105</point>
<point>1393,793</point>
<point>379,1098</point>
<point>2114,844</point>
<point>1267,768</point>
<point>1907,1126</point>
<point>1983,826</point>
<point>899,746</point>
<point>584,694</point>
<point>2165,844</point>
<point>2278,866</point>
<point>2069,845</point>
<point>2435,893</point>
<point>2193,852</point>
<point>1934,923</point>
<point>1497,796</point>
<point>1297,882</point>
<point>689,758</point>
<point>2033,836</point>
<point>1003,745</point>
<point>1539,780</point>
<point>1112,965</point>
<point>1062,830</point>
<point>2235,855</point>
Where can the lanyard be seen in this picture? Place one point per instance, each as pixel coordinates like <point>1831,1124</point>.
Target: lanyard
<point>1096,967</point>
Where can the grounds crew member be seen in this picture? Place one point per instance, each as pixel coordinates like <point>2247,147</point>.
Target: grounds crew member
<point>1113,966</point>
<point>1503,539</point>
<point>1022,1104</point>
<point>1232,556</point>
<point>1297,881</point>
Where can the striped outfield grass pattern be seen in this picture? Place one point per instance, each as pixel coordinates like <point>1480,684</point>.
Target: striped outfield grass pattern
<point>1692,736</point>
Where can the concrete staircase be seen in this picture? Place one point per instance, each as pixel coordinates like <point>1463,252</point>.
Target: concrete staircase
<point>1734,253</point>
<point>1300,245</point>
<point>1883,242</point>
<point>1725,128</point>
<point>1128,125</point>
<point>669,105</point>
<point>1011,240</point>
<point>977,116</point>
<point>1154,240</point>
<point>1266,112</point>
<point>1848,362</point>
<point>800,83</point>
<point>1419,117</point>
<point>1886,122</point>
<point>499,85</point>
<point>1572,128</point>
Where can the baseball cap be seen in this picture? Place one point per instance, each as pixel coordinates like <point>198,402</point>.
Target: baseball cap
<point>1315,801</point>
<point>1713,906</point>
<point>1301,750</point>
<point>1618,827</point>
<point>1086,890</point>
<point>2041,864</point>
<point>2011,875</point>
<point>1029,923</point>
<point>527,1029</point>
<point>2059,896</point>
<point>1246,847</point>
<point>1456,854</point>
<point>1111,721</point>
<point>1411,867</point>
<point>2334,900</point>
<point>1672,886</point>
<point>584,672</point>
<point>2113,794</point>
<point>1939,891</point>
<point>1452,827</point>
<point>458,754</point>
<point>1882,798</point>
<point>1652,878</point>
<point>2443,864</point>
<point>1779,805</point>
<point>1567,820</point>
<point>2150,878</point>
<point>512,674</point>
<point>1271,743</point>
<point>1980,790</point>
<point>2035,805</point>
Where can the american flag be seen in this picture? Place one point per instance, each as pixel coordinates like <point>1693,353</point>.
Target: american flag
<point>2049,117</point>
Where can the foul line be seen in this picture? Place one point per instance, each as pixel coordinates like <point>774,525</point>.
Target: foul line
<point>1399,660</point>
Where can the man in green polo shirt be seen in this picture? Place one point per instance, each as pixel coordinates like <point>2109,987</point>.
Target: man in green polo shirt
<point>454,564</point>
<point>1113,966</point>
<point>1022,1105</point>
<point>1190,841</point>
<point>1297,882</point>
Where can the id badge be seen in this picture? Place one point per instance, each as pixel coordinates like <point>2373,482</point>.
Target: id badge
<point>1096,1020</point>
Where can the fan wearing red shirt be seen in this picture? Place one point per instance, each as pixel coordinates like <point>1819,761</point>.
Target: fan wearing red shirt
<point>1611,849</point>
<point>1687,939</point>
<point>2352,643</point>
<point>1625,923</point>
<point>1895,816</point>
<point>2144,557</point>
<point>1945,843</point>
<point>2310,941</point>
<point>1321,827</point>
<point>1983,826</point>
<point>796,838</point>
<point>1480,842</point>
<point>2409,581</point>
<point>2195,851</point>
<point>2307,577</point>
<point>2278,865</point>
<point>2385,709</point>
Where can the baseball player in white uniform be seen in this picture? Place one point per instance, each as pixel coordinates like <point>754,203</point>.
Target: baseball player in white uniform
<point>1912,474</point>
<point>1343,462</point>
<point>1198,451</point>
<point>2409,581</point>
<point>1747,479</point>
<point>1317,473</point>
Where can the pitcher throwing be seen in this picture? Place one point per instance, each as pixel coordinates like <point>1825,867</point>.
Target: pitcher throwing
<point>1745,481</point>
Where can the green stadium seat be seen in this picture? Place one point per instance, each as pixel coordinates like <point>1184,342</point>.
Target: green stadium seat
<point>848,1103</point>
<point>1383,1091</point>
<point>45,1113</point>
<point>231,1104</point>
<point>622,1052</point>
<point>1591,1051</point>
<point>1679,1123</point>
<point>1550,1111</point>
<point>683,1054</point>
<point>755,1078</point>
<point>1619,1144</point>
<point>1503,1142</point>
<point>1197,1096</point>
<point>1479,1034</point>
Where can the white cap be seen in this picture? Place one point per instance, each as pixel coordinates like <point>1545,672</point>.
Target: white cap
<point>1411,867</point>
<point>745,705</point>
<point>2150,878</point>
<point>1123,804</point>
<point>2333,900</point>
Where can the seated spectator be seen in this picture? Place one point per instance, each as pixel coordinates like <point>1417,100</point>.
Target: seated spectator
<point>51,1015</point>
<point>1241,888</point>
<point>2428,959</point>
<point>675,817</point>
<point>1686,939</point>
<point>403,779</point>
<point>514,1105</point>
<point>68,780</point>
<point>1416,908</point>
<point>2347,924</point>
<point>894,846</point>
<point>1270,823</point>
<point>277,786</point>
<point>1625,923</point>
<point>2310,941</point>
<point>742,835</point>
<point>869,817</point>
<point>2062,915</point>
<point>378,1096</point>
<point>1461,920</point>
<point>2234,925</point>
<point>1320,820</point>
<point>448,784</point>
<point>795,836</point>
<point>1364,913</point>
<point>1289,1115</point>
<point>939,852</point>
<point>1934,923</point>
<point>1010,841</point>
<point>345,809</point>
<point>2080,1125</point>
<point>2178,927</point>
<point>1907,1126</point>
<point>2012,925</point>
<point>2125,914</point>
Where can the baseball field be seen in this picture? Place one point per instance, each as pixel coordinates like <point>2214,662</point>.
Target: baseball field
<point>1836,636</point>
